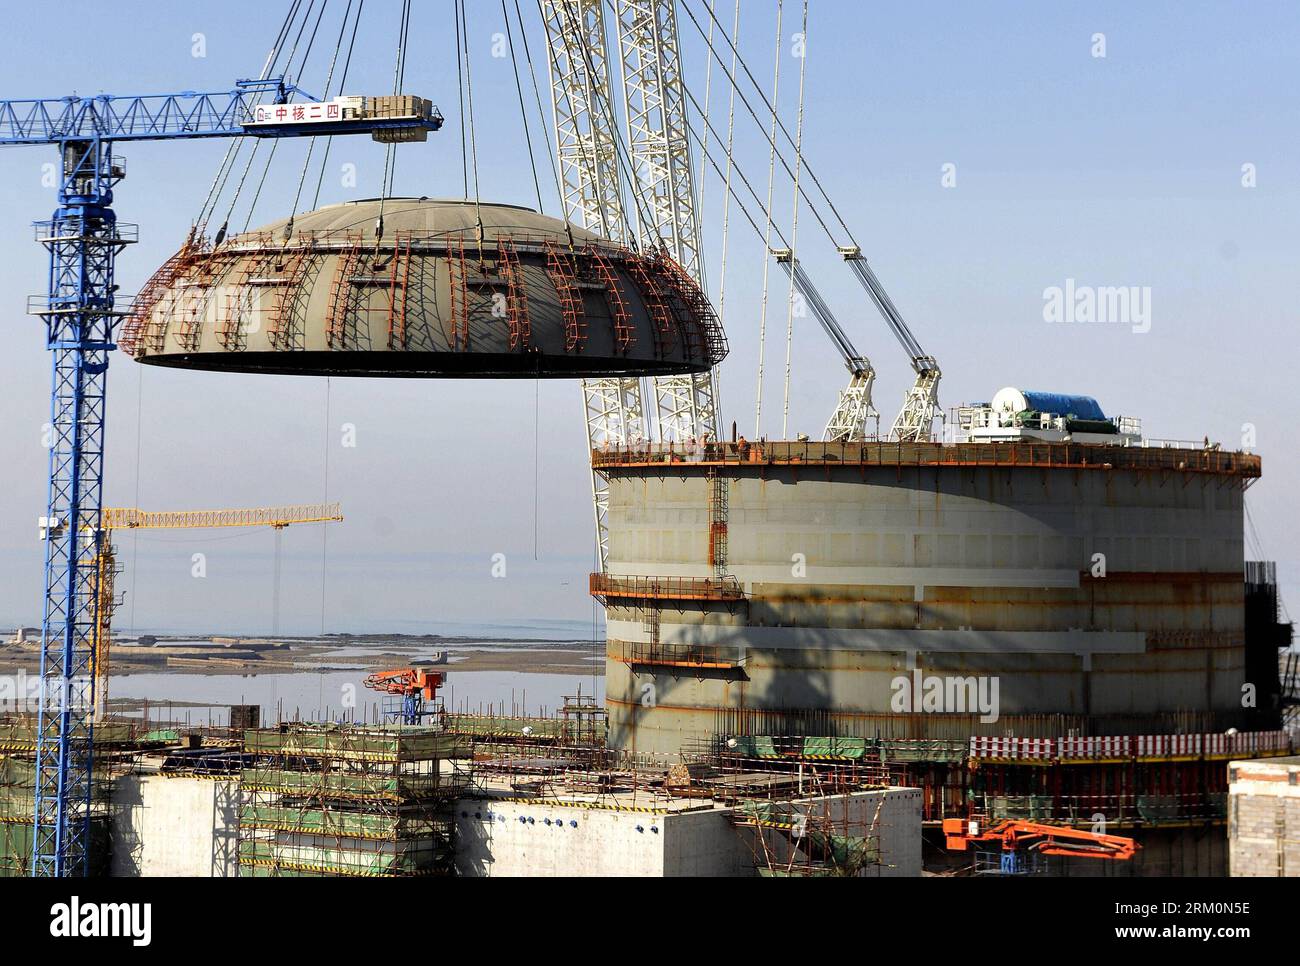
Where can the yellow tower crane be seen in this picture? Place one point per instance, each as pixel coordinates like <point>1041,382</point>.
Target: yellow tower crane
<point>130,518</point>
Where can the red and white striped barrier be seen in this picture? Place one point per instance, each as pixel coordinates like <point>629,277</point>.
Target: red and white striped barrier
<point>1114,747</point>
<point>1095,748</point>
<point>1011,749</point>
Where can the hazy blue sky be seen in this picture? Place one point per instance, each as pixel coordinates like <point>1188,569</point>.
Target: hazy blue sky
<point>1122,170</point>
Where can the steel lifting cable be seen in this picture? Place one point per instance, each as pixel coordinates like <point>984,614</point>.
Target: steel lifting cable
<point>311,142</point>
<point>859,265</point>
<point>523,111</point>
<point>732,165</point>
<point>288,63</point>
<point>699,183</point>
<point>767,234</point>
<point>311,41</point>
<point>261,182</point>
<point>236,145</point>
<point>735,195</point>
<point>780,126</point>
<point>390,156</point>
<point>620,151</point>
<point>794,224</point>
<point>463,28</point>
<point>343,80</point>
<point>266,168</point>
<point>770,137</point>
<point>832,327</point>
<point>726,194</point>
<point>460,93</point>
<point>553,156</point>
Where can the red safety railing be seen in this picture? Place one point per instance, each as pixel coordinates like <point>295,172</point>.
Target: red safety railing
<point>1084,456</point>
<point>666,588</point>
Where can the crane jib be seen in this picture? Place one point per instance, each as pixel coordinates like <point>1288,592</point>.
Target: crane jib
<point>234,113</point>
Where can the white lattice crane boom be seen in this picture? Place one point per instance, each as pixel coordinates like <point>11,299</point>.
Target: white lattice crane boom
<point>587,152</point>
<point>659,142</point>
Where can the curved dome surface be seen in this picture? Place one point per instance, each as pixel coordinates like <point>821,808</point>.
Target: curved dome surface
<point>322,294</point>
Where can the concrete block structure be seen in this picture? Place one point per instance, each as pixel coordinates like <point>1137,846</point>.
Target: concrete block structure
<point>1264,817</point>
<point>184,825</point>
<point>576,836</point>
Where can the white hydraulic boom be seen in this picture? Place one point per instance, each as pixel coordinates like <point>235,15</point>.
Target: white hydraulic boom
<point>854,410</point>
<point>915,421</point>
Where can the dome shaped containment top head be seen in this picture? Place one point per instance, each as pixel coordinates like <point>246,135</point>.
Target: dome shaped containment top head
<point>433,295</point>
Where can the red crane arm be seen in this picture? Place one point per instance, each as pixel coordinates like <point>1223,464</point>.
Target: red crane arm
<point>1034,836</point>
<point>406,680</point>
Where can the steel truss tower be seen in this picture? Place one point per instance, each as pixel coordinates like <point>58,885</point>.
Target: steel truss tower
<point>659,138</point>
<point>83,239</point>
<point>587,147</point>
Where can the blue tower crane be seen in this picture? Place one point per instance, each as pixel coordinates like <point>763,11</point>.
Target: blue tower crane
<point>81,318</point>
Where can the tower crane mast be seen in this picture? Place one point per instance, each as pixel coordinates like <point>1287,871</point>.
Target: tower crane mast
<point>81,318</point>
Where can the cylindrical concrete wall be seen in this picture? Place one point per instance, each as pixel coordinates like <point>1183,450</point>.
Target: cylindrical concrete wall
<point>1100,592</point>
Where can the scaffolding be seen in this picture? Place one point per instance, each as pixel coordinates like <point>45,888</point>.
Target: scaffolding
<point>564,276</point>
<point>238,315</point>
<point>340,322</point>
<point>826,836</point>
<point>349,800</point>
<point>197,289</point>
<point>809,810</point>
<point>517,314</point>
<point>657,302</point>
<point>18,792</point>
<point>138,326</point>
<point>620,316</point>
<point>288,295</point>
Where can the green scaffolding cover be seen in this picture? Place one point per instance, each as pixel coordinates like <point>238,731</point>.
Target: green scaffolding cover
<point>834,747</point>
<point>367,825</point>
<point>404,743</point>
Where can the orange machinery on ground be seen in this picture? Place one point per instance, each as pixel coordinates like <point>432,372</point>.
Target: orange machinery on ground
<point>1017,837</point>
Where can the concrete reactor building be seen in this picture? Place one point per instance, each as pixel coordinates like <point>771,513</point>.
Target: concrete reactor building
<point>1048,589</point>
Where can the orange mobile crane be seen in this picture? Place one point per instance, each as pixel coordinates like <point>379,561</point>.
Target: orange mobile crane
<point>414,686</point>
<point>1034,837</point>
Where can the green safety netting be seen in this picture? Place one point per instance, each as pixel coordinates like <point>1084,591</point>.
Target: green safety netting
<point>834,747</point>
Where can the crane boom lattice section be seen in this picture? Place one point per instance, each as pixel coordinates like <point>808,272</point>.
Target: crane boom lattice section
<point>659,140</point>
<point>591,186</point>
<point>115,518</point>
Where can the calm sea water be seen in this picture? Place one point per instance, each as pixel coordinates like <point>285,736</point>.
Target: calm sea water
<point>320,696</point>
<point>534,629</point>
